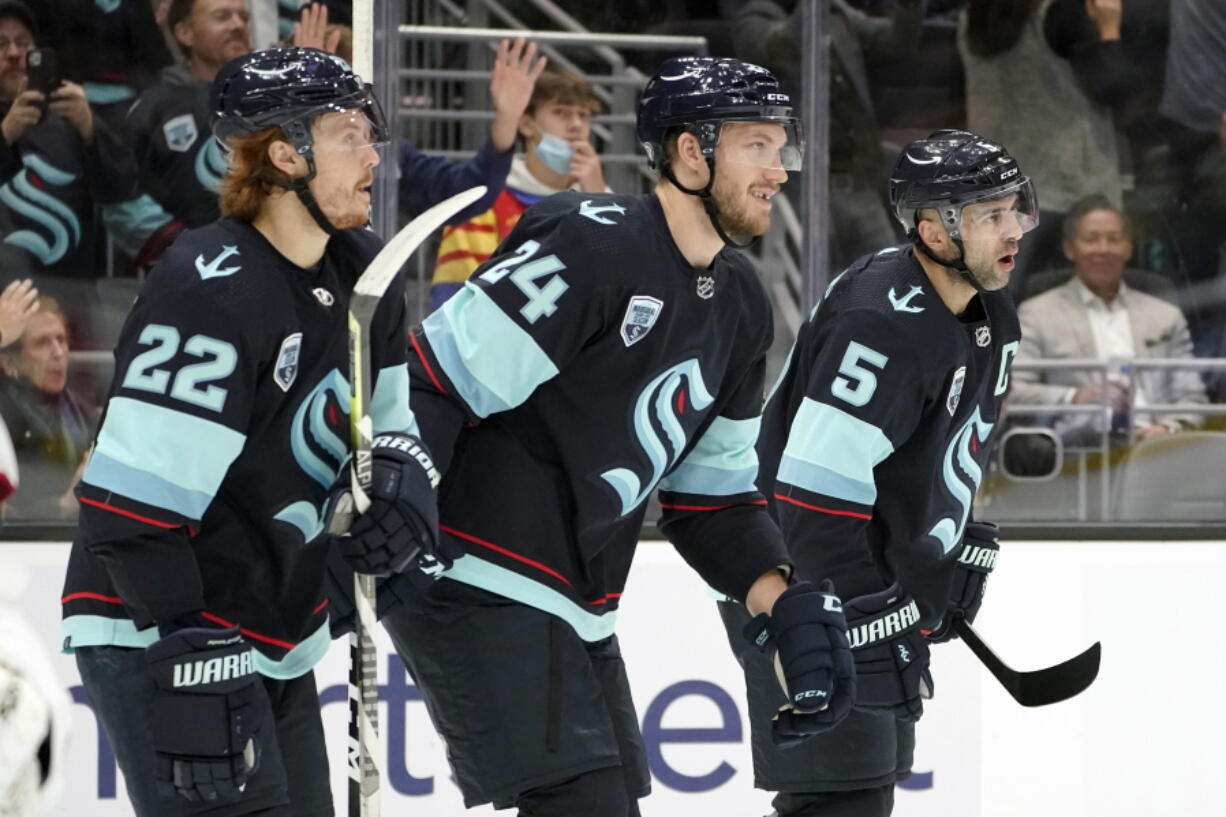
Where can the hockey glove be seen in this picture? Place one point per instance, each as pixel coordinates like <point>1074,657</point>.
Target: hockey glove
<point>890,653</point>
<point>399,531</point>
<point>208,714</point>
<point>808,635</point>
<point>980,545</point>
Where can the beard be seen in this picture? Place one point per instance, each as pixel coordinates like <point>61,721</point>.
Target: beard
<point>735,213</point>
<point>345,210</point>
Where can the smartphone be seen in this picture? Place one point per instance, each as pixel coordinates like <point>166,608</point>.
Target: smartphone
<point>41,71</point>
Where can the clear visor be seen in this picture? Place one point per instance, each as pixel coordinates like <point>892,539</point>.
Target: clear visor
<point>347,131</point>
<point>1013,209</point>
<point>761,143</point>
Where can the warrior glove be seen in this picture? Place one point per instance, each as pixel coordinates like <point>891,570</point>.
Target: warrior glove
<point>399,531</point>
<point>208,713</point>
<point>890,653</point>
<point>808,635</point>
<point>980,546</point>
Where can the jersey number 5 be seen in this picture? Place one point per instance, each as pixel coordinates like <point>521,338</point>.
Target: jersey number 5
<point>542,300</point>
<point>856,384</point>
<point>144,374</point>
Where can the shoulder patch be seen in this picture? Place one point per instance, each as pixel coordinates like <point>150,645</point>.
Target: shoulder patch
<point>286,369</point>
<point>180,133</point>
<point>640,316</point>
<point>903,304</point>
<point>955,390</point>
<point>595,211</point>
<point>213,268</point>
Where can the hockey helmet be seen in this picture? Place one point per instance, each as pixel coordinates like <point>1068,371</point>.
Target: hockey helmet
<point>951,169</point>
<point>701,94</point>
<point>289,88</point>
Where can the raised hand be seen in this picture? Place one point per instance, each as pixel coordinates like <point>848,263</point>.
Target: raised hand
<point>516,67</point>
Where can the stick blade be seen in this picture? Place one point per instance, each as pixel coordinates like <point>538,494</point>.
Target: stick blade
<point>1061,682</point>
<point>380,272</point>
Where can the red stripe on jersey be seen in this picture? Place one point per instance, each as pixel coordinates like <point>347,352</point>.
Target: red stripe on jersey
<point>710,507</point>
<point>606,599</point>
<point>681,401</point>
<point>92,597</point>
<point>157,523</point>
<point>422,357</point>
<point>266,639</point>
<point>806,505</point>
<point>505,552</point>
<point>320,606</point>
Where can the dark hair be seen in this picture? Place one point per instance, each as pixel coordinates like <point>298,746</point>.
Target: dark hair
<point>993,26</point>
<point>1091,204</point>
<point>20,12</point>
<point>179,11</point>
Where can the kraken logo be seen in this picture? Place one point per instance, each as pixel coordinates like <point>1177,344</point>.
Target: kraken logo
<point>318,445</point>
<point>211,165</point>
<point>659,430</point>
<point>948,530</point>
<point>26,195</point>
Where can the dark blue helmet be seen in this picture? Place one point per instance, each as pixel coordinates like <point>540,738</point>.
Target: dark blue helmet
<point>953,168</point>
<point>700,94</point>
<point>288,88</point>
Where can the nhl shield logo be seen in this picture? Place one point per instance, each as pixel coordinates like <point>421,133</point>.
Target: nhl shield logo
<point>983,335</point>
<point>706,286</point>
<point>323,296</point>
<point>641,315</point>
<point>287,361</point>
<point>180,133</point>
<point>955,390</point>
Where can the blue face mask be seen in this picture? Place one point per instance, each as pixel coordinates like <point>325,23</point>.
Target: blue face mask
<point>555,153</point>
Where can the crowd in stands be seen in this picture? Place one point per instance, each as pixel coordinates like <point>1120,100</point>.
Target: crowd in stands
<point>1117,109</point>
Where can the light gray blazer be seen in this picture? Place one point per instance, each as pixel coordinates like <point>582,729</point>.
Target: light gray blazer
<point>1055,325</point>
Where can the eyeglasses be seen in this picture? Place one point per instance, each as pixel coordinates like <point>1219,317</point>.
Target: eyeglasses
<point>23,44</point>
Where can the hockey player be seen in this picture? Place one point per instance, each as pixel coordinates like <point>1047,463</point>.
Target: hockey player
<point>613,344</point>
<point>193,596</point>
<point>873,445</point>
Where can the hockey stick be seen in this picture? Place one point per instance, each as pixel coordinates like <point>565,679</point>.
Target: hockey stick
<point>1040,687</point>
<point>363,693</point>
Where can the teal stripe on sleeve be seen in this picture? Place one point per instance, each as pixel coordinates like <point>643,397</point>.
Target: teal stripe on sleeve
<point>833,440</point>
<point>493,363</point>
<point>162,457</point>
<point>389,404</point>
<point>688,478</point>
<point>477,572</point>
<point>722,462</point>
<point>819,480</point>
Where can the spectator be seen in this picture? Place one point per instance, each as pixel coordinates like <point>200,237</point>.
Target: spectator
<point>557,155</point>
<point>768,32</point>
<point>51,426</point>
<point>1096,315</point>
<point>1067,133</point>
<point>57,161</point>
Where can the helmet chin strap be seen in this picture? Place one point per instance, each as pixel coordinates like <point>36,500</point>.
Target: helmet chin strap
<point>708,202</point>
<point>301,188</point>
<point>958,264</point>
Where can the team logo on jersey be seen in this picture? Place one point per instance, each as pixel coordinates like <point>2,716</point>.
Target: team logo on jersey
<point>213,268</point>
<point>983,335</point>
<point>107,6</point>
<point>323,296</point>
<point>287,361</point>
<point>180,133</point>
<point>706,286</point>
<point>641,315</point>
<point>903,304</point>
<point>594,211</point>
<point>955,390</point>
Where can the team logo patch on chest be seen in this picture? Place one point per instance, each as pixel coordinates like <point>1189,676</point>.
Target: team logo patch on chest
<point>180,133</point>
<point>983,335</point>
<point>705,286</point>
<point>955,390</point>
<point>641,315</point>
<point>287,361</point>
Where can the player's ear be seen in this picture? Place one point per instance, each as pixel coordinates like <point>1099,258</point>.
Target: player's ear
<point>931,232</point>
<point>689,152</point>
<point>528,129</point>
<point>284,158</point>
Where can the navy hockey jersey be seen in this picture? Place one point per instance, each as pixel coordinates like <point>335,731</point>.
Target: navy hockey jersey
<point>875,439</point>
<point>226,425</point>
<point>583,365</point>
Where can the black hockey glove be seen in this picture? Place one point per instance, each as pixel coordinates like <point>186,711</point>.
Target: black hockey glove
<point>808,635</point>
<point>980,545</point>
<point>891,654</point>
<point>208,715</point>
<point>399,531</point>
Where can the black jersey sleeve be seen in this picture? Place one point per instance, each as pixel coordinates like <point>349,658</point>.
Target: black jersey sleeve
<point>519,320</point>
<point>863,397</point>
<point>177,417</point>
<point>712,511</point>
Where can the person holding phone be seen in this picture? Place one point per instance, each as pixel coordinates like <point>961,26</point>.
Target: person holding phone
<point>57,160</point>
